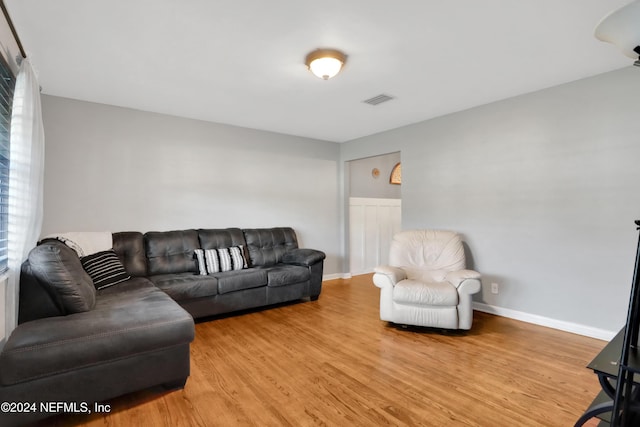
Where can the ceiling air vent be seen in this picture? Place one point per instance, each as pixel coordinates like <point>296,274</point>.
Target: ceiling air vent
<point>379,99</point>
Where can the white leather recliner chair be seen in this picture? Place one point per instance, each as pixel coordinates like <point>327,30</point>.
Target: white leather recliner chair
<point>426,283</point>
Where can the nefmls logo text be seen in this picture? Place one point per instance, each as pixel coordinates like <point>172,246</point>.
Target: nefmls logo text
<point>66,407</point>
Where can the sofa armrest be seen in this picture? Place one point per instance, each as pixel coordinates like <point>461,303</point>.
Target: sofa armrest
<point>305,257</point>
<point>387,275</point>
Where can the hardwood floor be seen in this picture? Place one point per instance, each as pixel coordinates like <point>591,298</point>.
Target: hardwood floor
<point>332,362</point>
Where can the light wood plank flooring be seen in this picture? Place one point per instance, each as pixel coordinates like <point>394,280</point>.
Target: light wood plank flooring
<point>332,362</point>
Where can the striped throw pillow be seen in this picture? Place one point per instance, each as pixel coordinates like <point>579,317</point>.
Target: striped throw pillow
<point>220,260</point>
<point>202,265</point>
<point>104,268</point>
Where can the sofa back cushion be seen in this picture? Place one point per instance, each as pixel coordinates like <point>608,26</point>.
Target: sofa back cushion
<point>129,246</point>
<point>222,238</point>
<point>266,246</point>
<point>171,251</point>
<point>57,266</point>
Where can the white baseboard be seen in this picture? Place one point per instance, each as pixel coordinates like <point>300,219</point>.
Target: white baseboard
<point>562,325</point>
<point>360,273</point>
<point>336,276</point>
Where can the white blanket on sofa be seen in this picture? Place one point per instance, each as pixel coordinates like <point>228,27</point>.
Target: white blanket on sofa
<point>85,242</point>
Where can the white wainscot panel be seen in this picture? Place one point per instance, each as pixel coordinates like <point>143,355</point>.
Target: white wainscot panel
<point>372,224</point>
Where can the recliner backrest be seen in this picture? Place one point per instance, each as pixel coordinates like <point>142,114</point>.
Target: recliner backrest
<point>427,250</point>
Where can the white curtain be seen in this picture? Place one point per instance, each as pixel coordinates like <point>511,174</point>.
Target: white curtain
<point>26,173</point>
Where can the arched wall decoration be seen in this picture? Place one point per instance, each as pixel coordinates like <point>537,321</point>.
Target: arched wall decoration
<point>396,174</point>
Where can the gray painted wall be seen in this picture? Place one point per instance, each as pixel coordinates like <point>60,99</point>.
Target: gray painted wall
<point>363,184</point>
<point>544,188</point>
<point>110,168</point>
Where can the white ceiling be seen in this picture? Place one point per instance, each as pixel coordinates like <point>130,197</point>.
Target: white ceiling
<point>240,62</point>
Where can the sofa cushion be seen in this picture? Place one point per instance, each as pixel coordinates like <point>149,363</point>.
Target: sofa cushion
<point>171,251</point>
<point>104,268</point>
<point>181,286</point>
<point>282,275</point>
<point>129,245</point>
<point>138,320</point>
<point>57,266</point>
<point>267,246</point>
<point>238,280</point>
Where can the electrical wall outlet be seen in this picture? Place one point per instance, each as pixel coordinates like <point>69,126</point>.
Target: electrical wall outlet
<point>494,288</point>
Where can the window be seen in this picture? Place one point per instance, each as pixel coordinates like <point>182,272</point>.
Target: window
<point>7,85</point>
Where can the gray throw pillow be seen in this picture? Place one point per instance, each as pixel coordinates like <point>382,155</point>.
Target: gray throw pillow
<point>58,267</point>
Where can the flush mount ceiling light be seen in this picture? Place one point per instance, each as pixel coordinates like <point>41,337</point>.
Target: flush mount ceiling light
<point>621,29</point>
<point>325,63</point>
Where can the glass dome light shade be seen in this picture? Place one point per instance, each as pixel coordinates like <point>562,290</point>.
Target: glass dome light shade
<point>325,63</point>
<point>622,29</point>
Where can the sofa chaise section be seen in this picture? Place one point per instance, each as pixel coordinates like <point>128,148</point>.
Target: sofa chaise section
<point>133,336</point>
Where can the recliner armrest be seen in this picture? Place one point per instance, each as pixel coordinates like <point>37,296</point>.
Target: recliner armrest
<point>459,276</point>
<point>393,275</point>
<point>304,257</point>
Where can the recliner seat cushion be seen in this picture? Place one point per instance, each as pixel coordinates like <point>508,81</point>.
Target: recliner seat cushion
<point>419,293</point>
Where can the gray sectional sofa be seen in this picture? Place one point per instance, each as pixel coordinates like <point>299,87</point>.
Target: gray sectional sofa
<point>78,345</point>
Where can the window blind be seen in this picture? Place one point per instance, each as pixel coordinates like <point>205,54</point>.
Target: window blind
<point>7,85</point>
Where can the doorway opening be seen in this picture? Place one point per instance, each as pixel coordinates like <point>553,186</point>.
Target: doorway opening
<point>375,210</point>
